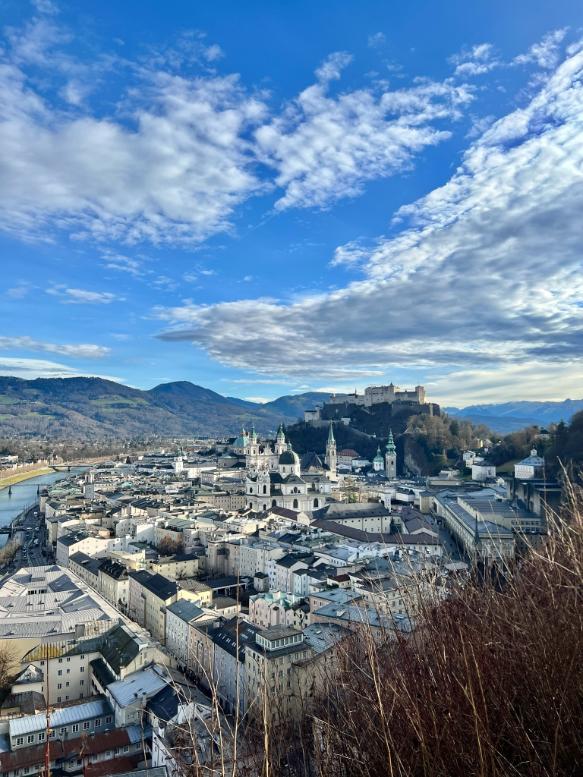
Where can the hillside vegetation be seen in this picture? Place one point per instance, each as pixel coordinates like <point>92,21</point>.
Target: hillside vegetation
<point>507,417</point>
<point>93,408</point>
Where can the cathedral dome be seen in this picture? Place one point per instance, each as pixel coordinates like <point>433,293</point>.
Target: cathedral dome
<point>289,457</point>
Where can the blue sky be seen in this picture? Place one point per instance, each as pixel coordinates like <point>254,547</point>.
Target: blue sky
<point>267,198</point>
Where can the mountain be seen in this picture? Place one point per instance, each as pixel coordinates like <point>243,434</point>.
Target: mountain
<point>294,405</point>
<point>508,417</point>
<point>94,408</point>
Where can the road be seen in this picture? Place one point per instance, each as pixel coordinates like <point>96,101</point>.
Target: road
<point>32,534</point>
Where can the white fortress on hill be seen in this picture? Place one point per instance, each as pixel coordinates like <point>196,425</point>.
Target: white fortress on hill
<point>374,395</point>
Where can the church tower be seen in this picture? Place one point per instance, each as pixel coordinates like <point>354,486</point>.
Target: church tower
<point>391,458</point>
<point>378,463</point>
<point>331,460</point>
<point>280,443</point>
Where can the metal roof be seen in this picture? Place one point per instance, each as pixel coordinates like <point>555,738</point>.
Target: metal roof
<point>60,717</point>
<point>144,682</point>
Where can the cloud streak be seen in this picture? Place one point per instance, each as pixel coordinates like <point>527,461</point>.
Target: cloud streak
<point>172,170</point>
<point>82,350</point>
<point>325,147</point>
<point>482,273</point>
<point>72,296</point>
<point>40,368</point>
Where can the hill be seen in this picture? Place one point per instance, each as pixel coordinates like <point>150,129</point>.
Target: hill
<point>508,417</point>
<point>94,408</point>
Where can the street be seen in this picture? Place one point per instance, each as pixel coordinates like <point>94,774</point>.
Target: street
<point>32,534</point>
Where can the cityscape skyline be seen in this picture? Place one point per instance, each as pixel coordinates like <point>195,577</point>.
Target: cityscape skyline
<point>191,195</point>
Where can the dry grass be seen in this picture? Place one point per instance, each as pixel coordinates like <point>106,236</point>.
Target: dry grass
<point>490,685</point>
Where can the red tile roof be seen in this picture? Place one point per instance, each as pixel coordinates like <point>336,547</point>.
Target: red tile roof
<point>113,766</point>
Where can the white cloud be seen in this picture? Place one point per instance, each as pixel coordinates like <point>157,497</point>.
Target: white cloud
<point>46,7</point>
<point>129,264</point>
<point>477,60</point>
<point>332,67</point>
<point>19,292</point>
<point>213,52</point>
<point>81,350</point>
<point>324,147</point>
<point>545,53</point>
<point>72,296</point>
<point>483,274</point>
<point>511,382</point>
<point>39,368</point>
<point>171,169</point>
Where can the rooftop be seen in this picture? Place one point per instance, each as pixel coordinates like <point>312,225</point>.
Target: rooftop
<point>62,716</point>
<point>143,683</point>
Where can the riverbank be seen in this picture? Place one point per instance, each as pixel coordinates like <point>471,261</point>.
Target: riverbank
<point>33,473</point>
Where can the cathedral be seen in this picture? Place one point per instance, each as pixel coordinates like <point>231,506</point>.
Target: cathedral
<point>274,477</point>
<point>259,455</point>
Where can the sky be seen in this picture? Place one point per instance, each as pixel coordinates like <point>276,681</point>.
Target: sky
<point>275,197</point>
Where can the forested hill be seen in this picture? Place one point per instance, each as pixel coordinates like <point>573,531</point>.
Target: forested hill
<point>93,408</point>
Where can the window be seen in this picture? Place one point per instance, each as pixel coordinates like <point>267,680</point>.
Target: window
<point>126,749</point>
<point>62,731</point>
<point>75,728</point>
<point>108,719</point>
<point>60,672</point>
<point>97,722</point>
<point>60,660</point>
<point>82,656</point>
<point>59,686</point>
<point>67,684</point>
<point>19,741</point>
<point>86,724</point>
<point>68,671</point>
<point>30,739</point>
<point>81,682</point>
<point>68,660</point>
<point>41,736</point>
<point>59,698</point>
<point>81,668</point>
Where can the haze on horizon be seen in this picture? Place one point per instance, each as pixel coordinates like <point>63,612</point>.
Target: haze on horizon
<point>263,202</point>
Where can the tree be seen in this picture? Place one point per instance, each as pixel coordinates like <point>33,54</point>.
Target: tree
<point>8,665</point>
<point>169,546</point>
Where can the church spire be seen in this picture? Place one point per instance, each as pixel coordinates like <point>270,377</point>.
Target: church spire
<point>331,434</point>
<point>391,448</point>
<point>331,459</point>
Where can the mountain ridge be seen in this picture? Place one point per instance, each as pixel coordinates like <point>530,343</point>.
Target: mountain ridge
<point>506,417</point>
<point>96,408</point>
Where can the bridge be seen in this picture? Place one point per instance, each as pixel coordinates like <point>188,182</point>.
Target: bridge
<point>69,465</point>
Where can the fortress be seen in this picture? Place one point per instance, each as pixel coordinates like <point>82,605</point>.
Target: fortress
<point>373,395</point>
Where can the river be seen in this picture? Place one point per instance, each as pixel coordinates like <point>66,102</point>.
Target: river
<point>24,494</point>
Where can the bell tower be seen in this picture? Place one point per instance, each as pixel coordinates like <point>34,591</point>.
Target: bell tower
<point>391,458</point>
<point>280,443</point>
<point>331,459</point>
